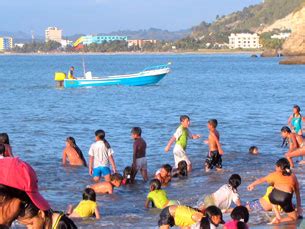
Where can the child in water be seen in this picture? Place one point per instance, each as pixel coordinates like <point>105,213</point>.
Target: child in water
<point>73,153</point>
<point>106,187</point>
<point>292,141</point>
<point>157,196</point>
<point>240,218</point>
<point>181,171</point>
<point>87,207</point>
<point>295,123</point>
<point>164,175</point>
<point>253,150</point>
<point>101,155</point>
<point>224,196</point>
<point>4,139</point>
<point>127,176</point>
<point>181,137</point>
<point>285,183</point>
<point>188,217</point>
<point>215,150</point>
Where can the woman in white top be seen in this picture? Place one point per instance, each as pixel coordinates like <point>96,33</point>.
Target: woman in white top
<point>224,196</point>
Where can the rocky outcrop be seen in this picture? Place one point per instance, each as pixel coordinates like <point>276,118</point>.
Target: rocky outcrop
<point>293,60</point>
<point>270,53</point>
<point>295,44</point>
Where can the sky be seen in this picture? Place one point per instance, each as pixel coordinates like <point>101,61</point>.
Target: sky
<point>95,16</point>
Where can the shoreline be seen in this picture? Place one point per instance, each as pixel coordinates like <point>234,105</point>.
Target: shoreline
<point>200,52</point>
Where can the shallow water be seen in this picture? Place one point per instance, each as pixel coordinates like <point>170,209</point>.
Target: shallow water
<point>251,98</point>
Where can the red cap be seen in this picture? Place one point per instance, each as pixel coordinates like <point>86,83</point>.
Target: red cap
<point>20,175</point>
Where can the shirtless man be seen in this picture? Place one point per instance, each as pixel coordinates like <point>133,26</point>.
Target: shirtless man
<point>106,187</point>
<point>215,150</point>
<point>292,141</point>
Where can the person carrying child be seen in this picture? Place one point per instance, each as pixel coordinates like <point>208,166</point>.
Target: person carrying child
<point>157,196</point>
<point>181,137</point>
<point>285,183</point>
<point>164,174</point>
<point>106,187</point>
<point>100,155</point>
<point>139,161</point>
<point>214,157</point>
<point>87,207</point>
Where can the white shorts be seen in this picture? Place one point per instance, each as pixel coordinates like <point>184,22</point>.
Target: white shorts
<point>141,163</point>
<point>180,155</point>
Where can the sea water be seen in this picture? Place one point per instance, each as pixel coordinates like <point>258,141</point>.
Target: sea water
<point>251,98</point>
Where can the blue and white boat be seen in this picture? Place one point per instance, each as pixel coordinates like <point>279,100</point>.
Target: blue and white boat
<point>149,76</point>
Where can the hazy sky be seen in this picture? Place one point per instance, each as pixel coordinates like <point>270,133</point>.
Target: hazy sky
<point>93,16</point>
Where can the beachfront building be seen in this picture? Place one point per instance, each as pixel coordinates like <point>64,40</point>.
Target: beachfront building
<point>244,41</point>
<point>6,43</point>
<point>140,43</point>
<point>53,34</point>
<point>280,36</point>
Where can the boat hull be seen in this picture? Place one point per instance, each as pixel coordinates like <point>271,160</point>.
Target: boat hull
<point>132,80</point>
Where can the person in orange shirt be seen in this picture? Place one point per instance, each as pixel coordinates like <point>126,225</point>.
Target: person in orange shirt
<point>74,154</point>
<point>285,183</point>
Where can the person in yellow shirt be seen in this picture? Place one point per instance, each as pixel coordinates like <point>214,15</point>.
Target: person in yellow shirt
<point>186,217</point>
<point>71,73</point>
<point>87,207</point>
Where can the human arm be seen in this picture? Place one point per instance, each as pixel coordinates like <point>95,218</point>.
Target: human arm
<point>134,155</point>
<point>255,183</point>
<point>147,202</point>
<point>196,136</point>
<point>289,121</point>
<point>91,159</point>
<point>97,213</point>
<point>111,160</point>
<point>64,157</point>
<point>169,144</point>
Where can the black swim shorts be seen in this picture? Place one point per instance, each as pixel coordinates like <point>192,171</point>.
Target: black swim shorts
<point>213,159</point>
<point>284,199</point>
<point>166,218</point>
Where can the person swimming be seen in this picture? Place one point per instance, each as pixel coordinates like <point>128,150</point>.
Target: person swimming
<point>164,174</point>
<point>106,187</point>
<point>127,176</point>
<point>253,150</point>
<point>181,171</point>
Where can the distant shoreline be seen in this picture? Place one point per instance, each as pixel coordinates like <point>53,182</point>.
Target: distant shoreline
<point>207,52</point>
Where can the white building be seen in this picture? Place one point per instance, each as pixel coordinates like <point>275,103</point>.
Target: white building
<point>281,36</point>
<point>53,34</point>
<point>244,41</point>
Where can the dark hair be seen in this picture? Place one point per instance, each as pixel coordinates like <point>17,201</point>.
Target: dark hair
<point>213,211</point>
<point>213,122</point>
<point>252,148</point>
<point>240,214</point>
<point>155,184</point>
<point>4,139</point>
<point>286,129</point>
<point>89,194</point>
<point>284,165</point>
<point>101,136</point>
<point>182,168</point>
<point>297,108</point>
<point>183,117</point>
<point>72,142</point>
<point>136,130</point>
<point>167,167</point>
<point>116,177</point>
<point>2,149</point>
<point>234,181</point>
<point>127,174</point>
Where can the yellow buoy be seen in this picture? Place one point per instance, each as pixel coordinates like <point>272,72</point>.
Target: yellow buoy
<point>59,76</point>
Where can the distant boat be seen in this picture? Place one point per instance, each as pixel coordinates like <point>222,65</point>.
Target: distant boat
<point>149,76</point>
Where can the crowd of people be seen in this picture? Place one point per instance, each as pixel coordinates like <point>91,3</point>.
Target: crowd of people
<point>20,198</point>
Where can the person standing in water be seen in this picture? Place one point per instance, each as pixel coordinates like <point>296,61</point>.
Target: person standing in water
<point>295,123</point>
<point>292,141</point>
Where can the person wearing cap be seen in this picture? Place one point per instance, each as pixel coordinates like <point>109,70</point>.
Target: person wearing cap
<point>187,217</point>
<point>18,187</point>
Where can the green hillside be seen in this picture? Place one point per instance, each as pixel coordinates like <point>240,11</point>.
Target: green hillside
<point>250,19</point>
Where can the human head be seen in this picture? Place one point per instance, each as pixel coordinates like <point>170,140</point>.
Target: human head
<point>127,173</point>
<point>182,168</point>
<point>71,141</point>
<point>283,165</point>
<point>20,175</point>
<point>240,213</point>
<point>12,201</point>
<point>155,184</point>
<point>285,131</point>
<point>2,149</point>
<point>136,132</point>
<point>100,135</point>
<point>89,194</point>
<point>253,150</point>
<point>215,215</point>
<point>185,121</point>
<point>4,139</point>
<point>212,124</point>
<point>296,109</point>
<point>72,68</point>
<point>235,181</point>
<point>116,179</point>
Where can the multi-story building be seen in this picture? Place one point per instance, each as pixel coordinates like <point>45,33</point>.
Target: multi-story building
<point>6,43</point>
<point>244,41</point>
<point>87,40</point>
<point>140,43</point>
<point>53,34</point>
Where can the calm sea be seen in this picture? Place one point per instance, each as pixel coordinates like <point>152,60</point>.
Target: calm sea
<point>250,97</point>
